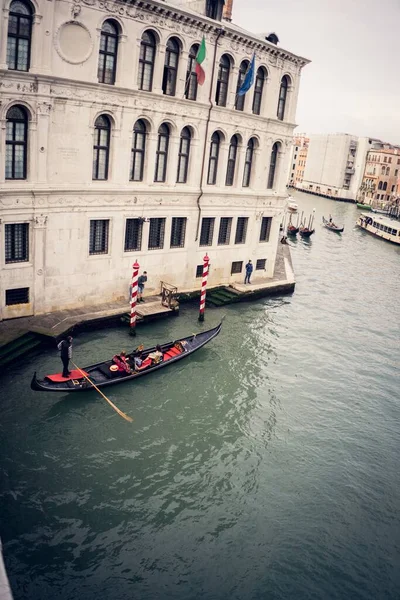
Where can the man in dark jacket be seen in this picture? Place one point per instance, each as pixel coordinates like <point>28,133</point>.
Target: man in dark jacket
<point>249,270</point>
<point>141,281</point>
<point>65,347</point>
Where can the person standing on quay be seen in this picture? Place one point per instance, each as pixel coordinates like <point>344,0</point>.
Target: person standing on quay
<point>65,347</point>
<point>141,281</point>
<point>249,270</point>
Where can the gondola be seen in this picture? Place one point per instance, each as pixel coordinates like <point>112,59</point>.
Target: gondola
<point>306,232</point>
<point>103,374</point>
<point>332,226</point>
<point>292,230</point>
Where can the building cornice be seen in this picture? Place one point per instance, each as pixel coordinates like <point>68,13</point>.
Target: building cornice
<point>185,20</point>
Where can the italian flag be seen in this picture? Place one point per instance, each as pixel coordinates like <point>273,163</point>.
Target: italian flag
<point>201,76</point>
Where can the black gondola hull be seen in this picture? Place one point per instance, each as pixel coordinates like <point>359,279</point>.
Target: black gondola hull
<point>96,371</point>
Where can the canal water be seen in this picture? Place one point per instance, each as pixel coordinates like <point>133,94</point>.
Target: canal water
<point>264,467</point>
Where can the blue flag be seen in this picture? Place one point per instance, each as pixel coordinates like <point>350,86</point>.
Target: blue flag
<point>249,78</point>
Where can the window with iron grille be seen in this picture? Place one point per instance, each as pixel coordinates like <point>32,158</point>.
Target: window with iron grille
<point>207,231</point>
<point>19,35</point>
<point>214,9</point>
<point>183,156</point>
<point>138,151</point>
<point>156,234</point>
<point>133,234</point>
<point>258,90</point>
<point>199,271</point>
<point>237,267</point>
<point>16,242</point>
<point>170,67</point>
<point>260,264</point>
<point>17,296</point>
<point>221,93</point>
<point>146,61</point>
<point>178,231</point>
<point>272,166</point>
<point>101,147</point>
<point>162,153</point>
<point>224,234</point>
<point>241,230</point>
<point>213,160</point>
<point>191,75</point>
<point>230,170</point>
<point>107,66</point>
<point>239,100</point>
<point>98,236</point>
<point>265,229</point>
<point>16,142</point>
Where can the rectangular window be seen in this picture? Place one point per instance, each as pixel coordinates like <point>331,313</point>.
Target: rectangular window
<point>294,166</point>
<point>199,271</point>
<point>178,231</point>
<point>393,186</point>
<point>133,234</point>
<point>17,242</point>
<point>265,229</point>
<point>156,234</point>
<point>237,267</point>
<point>224,234</point>
<point>18,296</point>
<point>207,231</point>
<point>260,264</point>
<point>98,237</point>
<point>241,230</point>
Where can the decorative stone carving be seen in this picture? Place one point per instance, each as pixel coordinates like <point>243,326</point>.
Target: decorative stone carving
<point>40,221</point>
<point>43,108</point>
<point>16,86</point>
<point>75,11</point>
<point>73,42</point>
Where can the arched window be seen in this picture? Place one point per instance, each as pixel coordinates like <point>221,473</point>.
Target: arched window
<point>282,98</point>
<point>230,170</point>
<point>213,161</point>
<point>101,147</point>
<point>380,185</point>
<point>248,163</point>
<point>107,67</point>
<point>272,166</point>
<point>258,91</point>
<point>383,170</point>
<point>183,158</point>
<point>239,100</point>
<point>221,93</point>
<point>170,67</point>
<point>138,151</point>
<point>19,35</point>
<point>387,170</point>
<point>16,142</point>
<point>384,186</point>
<point>162,153</point>
<point>191,76</point>
<point>146,61</point>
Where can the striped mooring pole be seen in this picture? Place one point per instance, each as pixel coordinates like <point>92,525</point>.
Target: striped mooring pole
<point>134,288</point>
<point>206,260</point>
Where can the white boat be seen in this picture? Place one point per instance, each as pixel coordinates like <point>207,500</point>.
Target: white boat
<point>380,226</point>
<point>292,205</point>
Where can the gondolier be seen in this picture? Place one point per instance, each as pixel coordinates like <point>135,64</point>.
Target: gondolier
<point>65,347</point>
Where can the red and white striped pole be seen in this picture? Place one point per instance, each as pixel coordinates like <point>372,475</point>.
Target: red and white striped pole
<point>203,288</point>
<point>134,289</point>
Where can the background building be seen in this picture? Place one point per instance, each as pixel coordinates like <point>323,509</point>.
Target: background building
<point>110,151</point>
<point>381,175</point>
<point>299,159</point>
<point>335,165</point>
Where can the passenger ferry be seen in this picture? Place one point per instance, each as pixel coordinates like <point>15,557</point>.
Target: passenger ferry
<point>383,227</point>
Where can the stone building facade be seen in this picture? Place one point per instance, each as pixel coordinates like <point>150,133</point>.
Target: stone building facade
<point>379,185</point>
<point>110,152</point>
<point>299,159</point>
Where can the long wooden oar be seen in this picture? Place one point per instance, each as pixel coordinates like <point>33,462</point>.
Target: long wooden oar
<point>121,414</point>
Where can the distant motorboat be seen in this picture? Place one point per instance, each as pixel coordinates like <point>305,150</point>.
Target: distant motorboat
<point>292,205</point>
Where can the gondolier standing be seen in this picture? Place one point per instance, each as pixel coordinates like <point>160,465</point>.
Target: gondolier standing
<point>65,347</point>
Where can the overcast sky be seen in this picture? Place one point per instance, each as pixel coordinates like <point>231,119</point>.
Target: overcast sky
<point>352,84</point>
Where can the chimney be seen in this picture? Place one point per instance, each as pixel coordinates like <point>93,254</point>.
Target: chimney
<point>227,11</point>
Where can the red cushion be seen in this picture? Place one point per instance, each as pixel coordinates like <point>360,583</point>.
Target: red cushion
<point>57,377</point>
